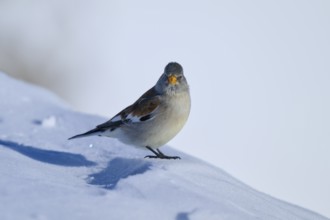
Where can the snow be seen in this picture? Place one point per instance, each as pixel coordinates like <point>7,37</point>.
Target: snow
<point>262,66</point>
<point>49,122</point>
<point>45,176</point>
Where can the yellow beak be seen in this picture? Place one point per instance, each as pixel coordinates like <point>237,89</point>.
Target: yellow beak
<point>172,79</point>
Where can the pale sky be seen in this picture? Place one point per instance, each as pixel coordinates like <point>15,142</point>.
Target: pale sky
<point>259,73</point>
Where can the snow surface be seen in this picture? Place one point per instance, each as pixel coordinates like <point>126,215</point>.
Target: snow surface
<point>45,176</point>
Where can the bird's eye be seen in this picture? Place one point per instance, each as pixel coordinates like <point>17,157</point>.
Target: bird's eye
<point>179,77</point>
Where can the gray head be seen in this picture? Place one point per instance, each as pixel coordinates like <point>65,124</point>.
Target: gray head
<point>172,81</point>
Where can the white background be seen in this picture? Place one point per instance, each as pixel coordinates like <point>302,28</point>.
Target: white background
<point>259,74</point>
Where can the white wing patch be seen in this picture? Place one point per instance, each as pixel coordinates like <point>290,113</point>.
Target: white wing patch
<point>133,118</point>
<point>138,119</point>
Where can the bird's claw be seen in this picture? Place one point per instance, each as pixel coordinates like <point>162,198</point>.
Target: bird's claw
<point>162,157</point>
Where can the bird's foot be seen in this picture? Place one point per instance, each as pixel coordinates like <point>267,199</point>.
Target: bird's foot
<point>160,155</point>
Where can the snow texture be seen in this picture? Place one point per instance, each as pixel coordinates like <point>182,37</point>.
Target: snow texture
<point>45,176</point>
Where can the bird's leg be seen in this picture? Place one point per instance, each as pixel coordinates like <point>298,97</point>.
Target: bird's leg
<point>159,154</point>
<point>153,151</point>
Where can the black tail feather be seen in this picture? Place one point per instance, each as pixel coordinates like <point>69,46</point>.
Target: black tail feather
<point>88,133</point>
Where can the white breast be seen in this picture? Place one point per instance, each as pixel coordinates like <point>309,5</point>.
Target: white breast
<point>171,121</point>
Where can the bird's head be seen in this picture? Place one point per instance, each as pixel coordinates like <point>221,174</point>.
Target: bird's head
<point>172,80</point>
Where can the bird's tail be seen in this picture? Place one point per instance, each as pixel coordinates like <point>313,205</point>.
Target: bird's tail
<point>95,131</point>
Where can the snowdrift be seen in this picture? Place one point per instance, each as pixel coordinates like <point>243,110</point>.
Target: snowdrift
<point>45,176</point>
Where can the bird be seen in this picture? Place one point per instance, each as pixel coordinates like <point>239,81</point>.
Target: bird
<point>155,118</point>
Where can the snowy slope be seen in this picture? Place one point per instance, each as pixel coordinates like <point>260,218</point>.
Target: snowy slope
<point>44,176</point>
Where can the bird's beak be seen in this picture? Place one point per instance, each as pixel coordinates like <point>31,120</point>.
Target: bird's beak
<point>172,79</point>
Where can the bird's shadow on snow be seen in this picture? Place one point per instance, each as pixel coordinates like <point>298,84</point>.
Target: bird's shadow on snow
<point>48,156</point>
<point>184,215</point>
<point>117,169</point>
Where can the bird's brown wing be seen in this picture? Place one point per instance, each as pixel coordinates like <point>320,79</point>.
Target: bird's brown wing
<point>142,110</point>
